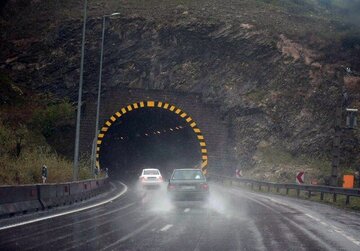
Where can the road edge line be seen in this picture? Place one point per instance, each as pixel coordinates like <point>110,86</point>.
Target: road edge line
<point>67,212</point>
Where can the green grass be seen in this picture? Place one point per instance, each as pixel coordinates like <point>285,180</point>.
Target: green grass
<point>281,166</point>
<point>25,130</point>
<point>27,168</point>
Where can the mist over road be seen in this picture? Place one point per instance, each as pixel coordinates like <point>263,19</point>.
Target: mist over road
<point>234,219</point>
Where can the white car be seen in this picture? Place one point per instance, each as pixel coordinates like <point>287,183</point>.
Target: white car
<point>151,178</point>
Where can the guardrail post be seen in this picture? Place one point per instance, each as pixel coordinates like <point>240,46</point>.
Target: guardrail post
<point>277,189</point>
<point>321,196</point>
<point>252,186</point>
<point>268,188</point>
<point>298,192</point>
<point>334,197</point>
<point>287,191</point>
<point>347,202</point>
<point>309,194</point>
<point>259,187</point>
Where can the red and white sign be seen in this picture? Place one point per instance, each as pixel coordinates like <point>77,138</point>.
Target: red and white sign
<point>238,173</point>
<point>300,177</point>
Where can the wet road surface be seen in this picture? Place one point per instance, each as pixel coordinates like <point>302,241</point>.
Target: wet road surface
<point>234,219</point>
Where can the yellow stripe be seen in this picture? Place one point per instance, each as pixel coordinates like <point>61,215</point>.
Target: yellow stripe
<point>142,104</point>
<point>203,150</point>
<point>99,142</point>
<point>160,104</point>
<point>193,124</point>
<point>200,137</point>
<point>197,130</point>
<point>97,149</point>
<point>177,111</point>
<point>172,108</point>
<point>150,104</point>
<point>104,129</point>
<point>123,110</point>
<point>108,123</point>
<point>135,106</point>
<point>204,157</point>
<point>97,155</point>
<point>129,108</point>
<point>204,164</point>
<point>202,144</point>
<point>113,119</point>
<point>204,171</point>
<point>97,164</point>
<point>118,114</point>
<point>101,135</point>
<point>166,106</point>
<point>183,115</point>
<point>188,119</point>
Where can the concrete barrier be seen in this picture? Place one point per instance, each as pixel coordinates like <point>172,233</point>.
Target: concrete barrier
<point>19,199</point>
<point>28,198</point>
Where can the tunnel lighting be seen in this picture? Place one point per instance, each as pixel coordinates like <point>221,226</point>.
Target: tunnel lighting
<point>121,138</point>
<point>171,129</point>
<point>177,128</point>
<point>180,127</point>
<point>146,134</point>
<point>158,132</point>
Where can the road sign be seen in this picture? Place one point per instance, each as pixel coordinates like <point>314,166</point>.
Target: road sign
<point>300,177</point>
<point>238,173</point>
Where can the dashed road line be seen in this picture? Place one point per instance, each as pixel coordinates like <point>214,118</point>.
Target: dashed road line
<point>130,235</point>
<point>166,228</point>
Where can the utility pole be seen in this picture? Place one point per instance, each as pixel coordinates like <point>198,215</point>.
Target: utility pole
<point>99,89</point>
<point>78,117</point>
<point>336,147</point>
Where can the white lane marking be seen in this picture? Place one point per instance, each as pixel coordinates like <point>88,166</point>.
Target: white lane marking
<point>135,232</point>
<point>187,210</point>
<point>166,228</point>
<point>68,212</point>
<point>337,230</point>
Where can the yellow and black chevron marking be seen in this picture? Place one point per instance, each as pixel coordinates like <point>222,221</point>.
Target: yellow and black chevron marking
<point>154,104</point>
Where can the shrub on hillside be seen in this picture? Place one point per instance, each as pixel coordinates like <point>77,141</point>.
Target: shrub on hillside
<point>27,168</point>
<point>53,116</point>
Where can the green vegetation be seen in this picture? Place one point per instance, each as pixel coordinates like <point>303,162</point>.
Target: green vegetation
<point>27,122</point>
<point>26,169</point>
<point>53,116</point>
<point>277,164</point>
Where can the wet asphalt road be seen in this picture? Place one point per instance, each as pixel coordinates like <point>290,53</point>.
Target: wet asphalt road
<point>234,219</point>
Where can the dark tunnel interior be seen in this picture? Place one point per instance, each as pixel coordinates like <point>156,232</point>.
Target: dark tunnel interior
<point>149,138</point>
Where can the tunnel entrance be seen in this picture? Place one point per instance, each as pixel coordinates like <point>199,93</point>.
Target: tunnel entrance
<point>155,136</point>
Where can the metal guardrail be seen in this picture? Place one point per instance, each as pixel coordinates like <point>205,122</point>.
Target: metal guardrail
<point>310,189</point>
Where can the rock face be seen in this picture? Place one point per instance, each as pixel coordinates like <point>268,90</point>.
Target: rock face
<point>273,87</point>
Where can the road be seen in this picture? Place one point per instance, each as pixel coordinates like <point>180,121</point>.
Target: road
<point>234,219</point>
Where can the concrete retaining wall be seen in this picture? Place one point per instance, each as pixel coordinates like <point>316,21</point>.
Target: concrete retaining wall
<point>30,198</point>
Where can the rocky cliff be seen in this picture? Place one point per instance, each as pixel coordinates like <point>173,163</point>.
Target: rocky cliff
<point>277,68</point>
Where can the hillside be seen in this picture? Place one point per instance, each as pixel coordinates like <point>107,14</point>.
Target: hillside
<point>276,68</point>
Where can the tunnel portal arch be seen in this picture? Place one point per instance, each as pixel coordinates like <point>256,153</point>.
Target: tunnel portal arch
<point>156,105</point>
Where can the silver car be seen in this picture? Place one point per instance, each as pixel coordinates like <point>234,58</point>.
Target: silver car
<point>188,184</point>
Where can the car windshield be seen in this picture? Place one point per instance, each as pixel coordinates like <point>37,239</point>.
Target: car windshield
<point>187,175</point>
<point>151,172</point>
